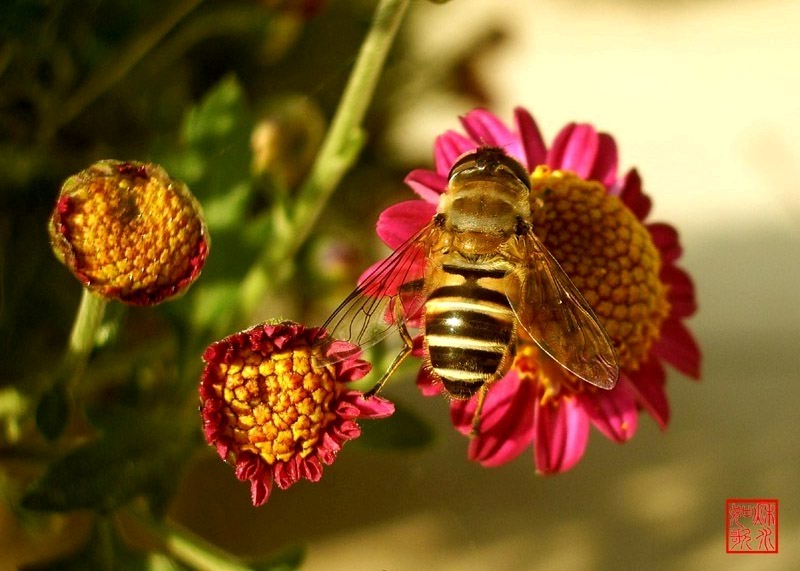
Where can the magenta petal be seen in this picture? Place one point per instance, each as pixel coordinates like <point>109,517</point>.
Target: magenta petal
<point>461,413</point>
<point>680,292</point>
<point>328,449</point>
<point>223,448</point>
<point>630,191</point>
<point>575,149</point>
<point>401,221</point>
<point>250,467</point>
<point>561,432</point>
<point>427,384</point>
<point>648,384</point>
<point>346,409</point>
<point>605,164</point>
<point>260,489</point>
<point>287,473</point>
<point>351,369</point>
<point>373,407</point>
<point>506,427</point>
<point>613,412</point>
<point>447,149</point>
<point>678,347</point>
<point>487,130</point>
<point>311,469</point>
<point>347,430</point>
<point>665,237</point>
<point>427,184</point>
<point>532,141</point>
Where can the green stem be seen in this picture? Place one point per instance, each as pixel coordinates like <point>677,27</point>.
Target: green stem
<point>106,76</point>
<point>187,547</point>
<point>82,337</point>
<point>55,409</point>
<point>339,151</point>
<point>104,543</point>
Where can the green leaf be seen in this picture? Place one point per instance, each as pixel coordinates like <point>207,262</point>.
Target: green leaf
<point>52,412</point>
<point>215,157</point>
<point>217,135</point>
<point>103,552</point>
<point>404,430</point>
<point>131,458</point>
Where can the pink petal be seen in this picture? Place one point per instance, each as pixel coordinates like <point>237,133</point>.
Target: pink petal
<point>605,165</point>
<point>346,409</point>
<point>347,430</point>
<point>350,369</point>
<point>260,490</point>
<point>680,292</point>
<point>665,237</point>
<point>427,184</point>
<point>401,221</point>
<point>251,467</point>
<point>613,412</point>
<point>487,130</point>
<point>373,407</point>
<point>575,149</point>
<point>506,426</point>
<point>533,145</point>
<point>630,191</point>
<point>248,466</point>
<point>446,150</point>
<point>328,449</point>
<point>223,448</point>
<point>648,384</point>
<point>678,347</point>
<point>311,469</point>
<point>427,384</point>
<point>461,413</point>
<point>561,432</point>
<point>287,473</point>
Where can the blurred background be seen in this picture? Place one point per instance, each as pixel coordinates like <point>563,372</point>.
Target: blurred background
<point>701,96</point>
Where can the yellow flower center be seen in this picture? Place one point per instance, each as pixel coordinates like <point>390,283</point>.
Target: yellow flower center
<point>608,253</point>
<point>131,228</point>
<point>277,406</point>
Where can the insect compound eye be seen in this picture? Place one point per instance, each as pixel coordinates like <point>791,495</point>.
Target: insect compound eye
<point>466,161</point>
<point>491,160</point>
<point>517,170</point>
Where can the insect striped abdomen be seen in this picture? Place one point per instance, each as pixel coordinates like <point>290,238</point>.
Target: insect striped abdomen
<point>469,329</point>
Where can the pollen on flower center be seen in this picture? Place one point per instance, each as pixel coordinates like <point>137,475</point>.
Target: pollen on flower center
<point>279,406</point>
<point>608,253</point>
<point>129,232</point>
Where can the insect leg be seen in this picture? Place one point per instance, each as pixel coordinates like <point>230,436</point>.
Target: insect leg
<point>404,352</point>
<point>476,418</point>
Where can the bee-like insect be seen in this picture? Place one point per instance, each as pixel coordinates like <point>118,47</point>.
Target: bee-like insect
<point>475,280</point>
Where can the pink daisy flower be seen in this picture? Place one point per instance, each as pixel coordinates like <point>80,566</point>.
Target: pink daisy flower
<point>274,412</point>
<point>593,222</point>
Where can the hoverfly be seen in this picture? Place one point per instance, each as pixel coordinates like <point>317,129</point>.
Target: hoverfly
<point>476,279</point>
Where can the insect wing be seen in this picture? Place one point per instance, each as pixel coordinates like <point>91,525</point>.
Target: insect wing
<point>390,295</point>
<point>555,314</point>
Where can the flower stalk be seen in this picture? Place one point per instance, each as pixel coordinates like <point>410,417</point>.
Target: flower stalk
<point>339,151</point>
<point>83,335</point>
<point>187,547</point>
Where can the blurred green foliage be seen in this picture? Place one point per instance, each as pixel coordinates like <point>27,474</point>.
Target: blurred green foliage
<point>233,98</point>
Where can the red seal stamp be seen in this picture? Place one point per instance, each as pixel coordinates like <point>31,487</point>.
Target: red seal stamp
<point>751,525</point>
